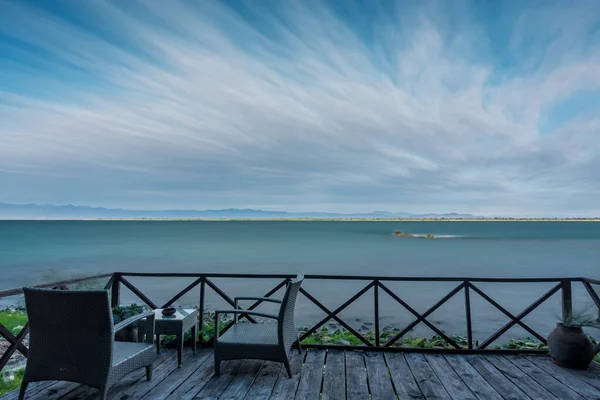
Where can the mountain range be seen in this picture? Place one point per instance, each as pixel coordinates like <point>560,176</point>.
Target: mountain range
<point>51,211</point>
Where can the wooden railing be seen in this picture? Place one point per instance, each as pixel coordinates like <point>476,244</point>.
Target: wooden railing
<point>379,284</point>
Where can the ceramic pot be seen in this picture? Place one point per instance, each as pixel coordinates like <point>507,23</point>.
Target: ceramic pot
<point>570,347</point>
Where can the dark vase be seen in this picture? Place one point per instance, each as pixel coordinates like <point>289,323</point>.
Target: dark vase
<point>570,347</point>
<point>127,334</point>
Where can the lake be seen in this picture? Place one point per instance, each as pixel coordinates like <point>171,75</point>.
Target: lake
<point>33,252</point>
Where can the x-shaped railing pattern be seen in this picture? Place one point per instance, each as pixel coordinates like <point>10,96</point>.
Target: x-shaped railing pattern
<point>16,342</point>
<point>377,284</point>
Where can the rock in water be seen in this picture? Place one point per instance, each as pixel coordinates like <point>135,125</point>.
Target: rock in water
<point>398,233</point>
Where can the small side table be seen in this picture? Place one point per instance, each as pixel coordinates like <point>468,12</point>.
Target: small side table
<point>176,324</point>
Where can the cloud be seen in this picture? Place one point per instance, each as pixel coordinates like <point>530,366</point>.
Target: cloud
<point>301,106</point>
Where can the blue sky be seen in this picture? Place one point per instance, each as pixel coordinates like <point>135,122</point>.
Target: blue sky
<point>487,107</point>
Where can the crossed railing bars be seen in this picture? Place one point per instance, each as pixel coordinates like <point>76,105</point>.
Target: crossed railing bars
<point>378,284</point>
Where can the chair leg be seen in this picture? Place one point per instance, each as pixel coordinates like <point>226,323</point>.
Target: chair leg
<point>217,367</point>
<point>148,372</point>
<point>23,390</point>
<point>299,347</point>
<point>104,393</point>
<point>286,362</point>
<point>285,358</point>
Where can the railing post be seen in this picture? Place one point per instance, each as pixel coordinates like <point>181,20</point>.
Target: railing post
<point>201,306</point>
<point>376,299</point>
<point>115,291</point>
<point>468,312</point>
<point>567,299</point>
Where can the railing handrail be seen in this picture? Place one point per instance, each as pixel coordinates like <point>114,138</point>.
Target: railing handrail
<point>16,291</point>
<point>465,285</point>
<point>356,277</point>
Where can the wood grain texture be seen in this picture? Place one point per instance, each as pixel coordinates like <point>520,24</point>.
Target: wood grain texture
<point>428,382</point>
<point>504,386</point>
<point>474,381</point>
<point>546,380</point>
<point>334,381</point>
<point>265,381</point>
<point>356,376</point>
<point>380,383</point>
<point>404,382</point>
<point>344,374</point>
<point>453,384</point>
<point>533,389</point>
<point>312,375</point>
<point>567,377</point>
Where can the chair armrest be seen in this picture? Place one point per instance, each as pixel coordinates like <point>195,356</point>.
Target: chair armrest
<point>269,299</point>
<point>237,312</point>
<point>255,313</point>
<point>236,300</point>
<point>130,320</point>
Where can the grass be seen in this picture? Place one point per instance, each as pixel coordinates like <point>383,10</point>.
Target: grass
<point>11,382</point>
<point>13,320</point>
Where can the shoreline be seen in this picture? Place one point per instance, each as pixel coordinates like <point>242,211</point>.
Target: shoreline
<point>307,219</point>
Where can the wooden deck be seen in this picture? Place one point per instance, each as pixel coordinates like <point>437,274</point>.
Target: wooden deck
<point>335,374</point>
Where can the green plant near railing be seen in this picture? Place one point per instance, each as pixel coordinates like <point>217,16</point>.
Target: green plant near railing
<point>582,319</point>
<point>343,337</point>
<point>13,319</point>
<point>522,344</point>
<point>121,313</point>
<point>11,381</point>
<point>205,334</point>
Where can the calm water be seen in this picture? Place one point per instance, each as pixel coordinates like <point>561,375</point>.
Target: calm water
<point>35,251</point>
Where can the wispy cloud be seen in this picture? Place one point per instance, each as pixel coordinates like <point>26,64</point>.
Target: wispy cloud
<point>302,105</point>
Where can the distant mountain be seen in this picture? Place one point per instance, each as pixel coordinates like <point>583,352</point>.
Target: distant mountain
<point>51,211</point>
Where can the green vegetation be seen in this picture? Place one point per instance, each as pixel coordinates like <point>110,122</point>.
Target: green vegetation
<point>346,338</point>
<point>121,313</point>
<point>13,320</point>
<point>582,319</point>
<point>11,381</point>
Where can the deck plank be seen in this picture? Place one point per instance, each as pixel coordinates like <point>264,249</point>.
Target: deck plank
<point>263,385</point>
<point>378,376</point>
<point>533,389</point>
<point>496,379</point>
<point>217,384</point>
<point>83,392</point>
<point>590,376</point>
<point>188,389</point>
<point>453,384</point>
<point>356,376</point>
<point>179,375</point>
<point>347,375</point>
<point>242,382</point>
<point>334,381</point>
<point>567,377</point>
<point>160,372</point>
<point>286,387</point>
<point>312,375</point>
<point>404,381</point>
<point>55,391</point>
<point>543,378</point>
<point>428,382</point>
<point>476,383</point>
<point>32,389</point>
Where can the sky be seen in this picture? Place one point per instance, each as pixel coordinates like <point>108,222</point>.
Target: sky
<point>483,107</point>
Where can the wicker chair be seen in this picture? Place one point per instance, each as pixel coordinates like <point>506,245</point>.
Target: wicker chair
<point>260,341</point>
<point>72,339</point>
